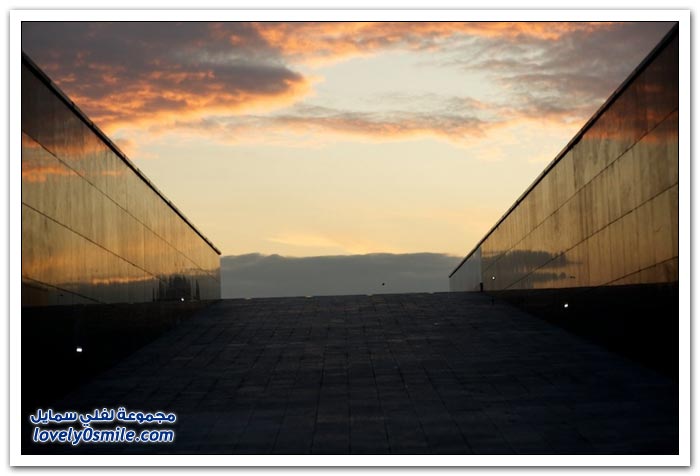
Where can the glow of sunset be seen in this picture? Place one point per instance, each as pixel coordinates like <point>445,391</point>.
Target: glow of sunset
<point>307,139</point>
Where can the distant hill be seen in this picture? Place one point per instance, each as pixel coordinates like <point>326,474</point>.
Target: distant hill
<point>256,275</point>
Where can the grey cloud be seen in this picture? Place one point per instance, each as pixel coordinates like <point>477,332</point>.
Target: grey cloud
<point>256,275</point>
<point>448,121</point>
<point>570,76</point>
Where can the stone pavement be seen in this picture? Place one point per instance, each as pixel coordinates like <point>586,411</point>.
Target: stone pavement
<point>409,373</point>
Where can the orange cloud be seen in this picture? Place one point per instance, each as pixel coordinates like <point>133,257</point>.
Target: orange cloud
<point>331,41</point>
<point>163,98</point>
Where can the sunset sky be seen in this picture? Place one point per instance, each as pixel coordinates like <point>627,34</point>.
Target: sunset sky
<point>308,139</point>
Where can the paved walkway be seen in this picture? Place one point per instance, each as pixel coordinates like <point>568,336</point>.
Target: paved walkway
<point>410,373</point>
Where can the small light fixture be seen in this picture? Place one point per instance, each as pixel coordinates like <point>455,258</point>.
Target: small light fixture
<point>79,350</point>
<point>493,278</point>
<point>182,299</point>
<point>566,305</point>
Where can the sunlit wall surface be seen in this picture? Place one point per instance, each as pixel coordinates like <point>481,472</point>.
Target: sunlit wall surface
<point>93,229</point>
<point>605,212</point>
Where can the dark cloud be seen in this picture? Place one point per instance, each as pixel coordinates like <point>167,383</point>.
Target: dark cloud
<point>567,78</point>
<point>139,71</point>
<point>256,275</point>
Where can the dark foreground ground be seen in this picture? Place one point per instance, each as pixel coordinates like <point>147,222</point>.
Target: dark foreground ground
<point>409,373</point>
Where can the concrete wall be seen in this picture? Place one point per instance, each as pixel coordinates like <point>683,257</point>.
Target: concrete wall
<point>94,229</point>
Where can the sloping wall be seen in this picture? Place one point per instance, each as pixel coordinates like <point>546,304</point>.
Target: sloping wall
<point>592,244</point>
<point>605,212</point>
<point>94,229</point>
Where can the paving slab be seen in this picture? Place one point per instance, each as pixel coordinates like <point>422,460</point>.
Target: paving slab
<point>444,373</point>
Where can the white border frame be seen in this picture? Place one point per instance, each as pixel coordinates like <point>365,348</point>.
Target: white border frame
<point>681,16</point>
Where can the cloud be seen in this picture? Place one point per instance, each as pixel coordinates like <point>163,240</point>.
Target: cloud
<point>461,121</point>
<point>328,124</point>
<point>238,82</point>
<point>146,73</point>
<point>256,275</point>
<point>565,80</point>
<point>387,124</point>
<point>323,42</point>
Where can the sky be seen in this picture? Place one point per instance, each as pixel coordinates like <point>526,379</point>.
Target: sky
<point>313,139</point>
